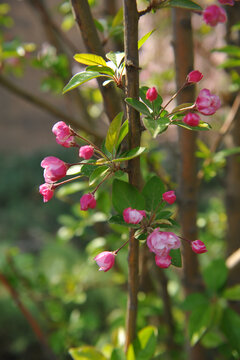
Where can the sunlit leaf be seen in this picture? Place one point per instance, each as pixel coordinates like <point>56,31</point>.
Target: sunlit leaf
<point>144,38</point>
<point>90,59</point>
<point>80,78</point>
<point>113,133</point>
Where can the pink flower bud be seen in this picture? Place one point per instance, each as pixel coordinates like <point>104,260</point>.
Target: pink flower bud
<point>151,94</point>
<point>161,242</point>
<point>169,197</point>
<point>105,260</point>
<point>163,262</point>
<point>87,201</point>
<point>191,119</point>
<point>214,14</point>
<point>46,190</point>
<point>206,103</point>
<point>86,152</point>
<point>198,247</point>
<point>55,169</point>
<point>226,2</point>
<point>133,216</point>
<point>64,135</point>
<point>194,76</point>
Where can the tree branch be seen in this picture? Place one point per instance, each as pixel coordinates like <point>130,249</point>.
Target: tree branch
<point>84,19</point>
<point>46,106</point>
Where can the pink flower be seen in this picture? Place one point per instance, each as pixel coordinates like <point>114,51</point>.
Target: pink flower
<point>163,262</point>
<point>86,152</point>
<point>87,201</point>
<point>54,169</point>
<point>214,14</point>
<point>227,2</point>
<point>151,94</point>
<point>194,76</point>
<point>161,242</point>
<point>47,191</point>
<point>105,260</point>
<point>64,135</point>
<point>191,119</point>
<point>206,103</point>
<point>133,216</point>
<point>198,247</point>
<point>169,197</point>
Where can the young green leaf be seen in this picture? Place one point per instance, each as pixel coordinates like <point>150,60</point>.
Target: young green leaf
<point>138,105</point>
<point>199,322</point>
<point>230,327</point>
<point>101,69</point>
<point>144,38</point>
<point>90,59</point>
<point>156,127</point>
<point>232,293</point>
<point>215,274</point>
<point>123,132</point>
<point>152,193</point>
<point>144,346</point>
<point>184,4</point>
<point>115,57</point>
<point>113,133</point>
<point>203,126</point>
<point>128,155</point>
<point>86,352</point>
<point>125,195</point>
<point>98,174</point>
<point>118,18</point>
<point>80,78</point>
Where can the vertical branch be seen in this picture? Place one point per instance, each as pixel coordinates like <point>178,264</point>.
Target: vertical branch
<point>183,47</point>
<point>132,90</point>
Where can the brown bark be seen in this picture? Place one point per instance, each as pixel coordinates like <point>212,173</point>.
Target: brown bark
<point>132,90</point>
<point>187,193</point>
<point>84,19</point>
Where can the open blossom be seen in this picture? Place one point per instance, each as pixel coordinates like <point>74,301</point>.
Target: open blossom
<point>169,197</point>
<point>226,2</point>
<point>191,119</point>
<point>54,169</point>
<point>64,135</point>
<point>206,103</point>
<point>47,191</point>
<point>105,260</point>
<point>151,94</point>
<point>87,201</point>
<point>198,247</point>
<point>214,14</point>
<point>161,242</point>
<point>86,152</point>
<point>163,262</point>
<point>194,76</point>
<point>133,216</point>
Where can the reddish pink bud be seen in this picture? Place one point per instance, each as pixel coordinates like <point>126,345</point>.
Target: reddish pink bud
<point>161,242</point>
<point>151,94</point>
<point>105,260</point>
<point>163,262</point>
<point>87,201</point>
<point>191,119</point>
<point>194,76</point>
<point>198,247</point>
<point>133,216</point>
<point>54,169</point>
<point>169,197</point>
<point>86,152</point>
<point>64,135</point>
<point>206,103</point>
<point>46,190</point>
<point>214,14</point>
<point>227,2</point>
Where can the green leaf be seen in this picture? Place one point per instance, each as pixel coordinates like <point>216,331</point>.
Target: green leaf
<point>199,322</point>
<point>230,63</point>
<point>98,174</point>
<point>184,4</point>
<point>229,49</point>
<point>144,38</point>
<point>230,326</point>
<point>80,78</point>
<point>227,152</point>
<point>201,127</point>
<point>87,170</point>
<point>215,274</point>
<point>118,219</point>
<point>86,353</point>
<point>118,354</point>
<point>123,132</point>
<point>128,155</point>
<point>212,339</point>
<point>125,195</point>
<point>232,293</point>
<point>115,57</point>
<point>113,133</point>
<point>138,105</point>
<point>143,348</point>
<point>176,257</point>
<point>90,59</point>
<point>118,18</point>
<point>156,127</point>
<point>152,193</point>
<point>194,300</point>
<point>101,69</point>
